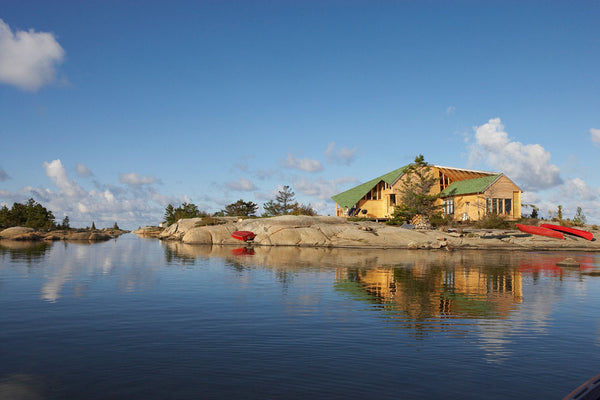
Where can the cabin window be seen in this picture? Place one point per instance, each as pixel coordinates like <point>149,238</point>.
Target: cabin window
<point>498,206</point>
<point>449,206</point>
<point>392,199</point>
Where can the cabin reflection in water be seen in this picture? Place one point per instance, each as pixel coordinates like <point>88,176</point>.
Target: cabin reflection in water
<point>423,293</point>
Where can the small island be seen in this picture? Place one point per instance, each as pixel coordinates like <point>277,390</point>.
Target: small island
<point>339,232</point>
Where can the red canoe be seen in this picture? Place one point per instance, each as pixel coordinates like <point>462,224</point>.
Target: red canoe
<point>538,230</point>
<point>243,235</point>
<point>578,232</point>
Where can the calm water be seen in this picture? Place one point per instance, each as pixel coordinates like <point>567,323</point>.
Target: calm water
<point>140,319</point>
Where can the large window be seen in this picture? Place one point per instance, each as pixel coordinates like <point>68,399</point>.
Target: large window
<point>449,206</point>
<point>498,206</point>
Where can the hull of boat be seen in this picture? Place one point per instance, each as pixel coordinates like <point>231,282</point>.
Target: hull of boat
<point>577,232</point>
<point>243,235</point>
<point>538,230</point>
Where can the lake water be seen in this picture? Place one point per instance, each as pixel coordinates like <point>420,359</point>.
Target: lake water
<point>136,318</point>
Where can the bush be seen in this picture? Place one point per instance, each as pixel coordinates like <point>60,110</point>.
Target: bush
<point>209,221</point>
<point>437,220</point>
<point>493,221</point>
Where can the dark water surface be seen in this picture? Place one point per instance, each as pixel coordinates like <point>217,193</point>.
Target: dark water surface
<point>141,319</point>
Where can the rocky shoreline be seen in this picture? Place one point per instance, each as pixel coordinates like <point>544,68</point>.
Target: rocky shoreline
<point>337,232</point>
<point>20,233</point>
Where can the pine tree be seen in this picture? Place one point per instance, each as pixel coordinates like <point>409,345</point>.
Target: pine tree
<point>415,197</point>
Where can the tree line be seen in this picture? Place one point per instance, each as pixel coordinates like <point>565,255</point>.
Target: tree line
<point>283,204</point>
<point>31,215</point>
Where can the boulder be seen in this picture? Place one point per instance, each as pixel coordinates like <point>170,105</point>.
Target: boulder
<point>19,233</point>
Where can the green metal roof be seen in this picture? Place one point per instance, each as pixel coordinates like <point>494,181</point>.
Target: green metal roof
<point>351,196</point>
<point>475,185</point>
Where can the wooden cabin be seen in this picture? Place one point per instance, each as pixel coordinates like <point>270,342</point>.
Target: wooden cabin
<point>464,194</point>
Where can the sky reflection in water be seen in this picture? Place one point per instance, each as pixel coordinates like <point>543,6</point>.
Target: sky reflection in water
<point>136,317</point>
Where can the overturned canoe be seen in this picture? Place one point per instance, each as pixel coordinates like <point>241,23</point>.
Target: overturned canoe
<point>538,230</point>
<point>577,232</point>
<point>243,235</point>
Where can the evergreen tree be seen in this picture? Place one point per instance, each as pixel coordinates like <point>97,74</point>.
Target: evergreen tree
<point>579,219</point>
<point>65,223</point>
<point>186,210</point>
<point>241,208</point>
<point>283,204</point>
<point>302,209</point>
<point>32,215</point>
<point>93,228</point>
<point>415,197</point>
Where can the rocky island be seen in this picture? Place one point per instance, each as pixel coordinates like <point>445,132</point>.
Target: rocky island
<point>320,231</point>
<point>21,233</point>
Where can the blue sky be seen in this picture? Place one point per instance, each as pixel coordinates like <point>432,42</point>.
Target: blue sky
<point>110,110</point>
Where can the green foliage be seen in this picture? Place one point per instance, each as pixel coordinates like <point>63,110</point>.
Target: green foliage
<point>93,228</point>
<point>241,208</point>
<point>302,209</point>
<point>32,215</point>
<point>415,197</point>
<point>65,223</point>
<point>282,205</point>
<point>493,221</point>
<point>534,212</point>
<point>115,226</point>
<point>579,219</point>
<point>186,210</point>
<point>285,204</point>
<point>438,219</point>
<point>208,221</point>
<point>559,213</point>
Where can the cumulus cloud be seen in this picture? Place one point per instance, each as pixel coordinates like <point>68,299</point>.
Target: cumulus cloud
<point>83,171</point>
<point>578,189</point>
<point>28,59</point>
<point>528,165</point>
<point>304,164</point>
<point>3,175</point>
<point>129,205</point>
<point>595,134</point>
<point>134,179</point>
<point>322,189</point>
<point>57,173</point>
<point>242,185</point>
<point>342,156</point>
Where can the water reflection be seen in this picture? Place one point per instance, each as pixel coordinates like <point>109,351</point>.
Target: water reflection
<point>30,252</point>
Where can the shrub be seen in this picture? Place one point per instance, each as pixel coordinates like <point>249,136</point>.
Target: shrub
<point>493,221</point>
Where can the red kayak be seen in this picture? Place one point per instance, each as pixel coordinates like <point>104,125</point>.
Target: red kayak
<point>243,235</point>
<point>577,232</point>
<point>538,230</point>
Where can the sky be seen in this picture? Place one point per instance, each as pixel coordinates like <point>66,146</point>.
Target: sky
<point>111,110</point>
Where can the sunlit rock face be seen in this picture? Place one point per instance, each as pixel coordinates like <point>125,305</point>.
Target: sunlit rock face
<point>16,233</point>
<point>338,232</point>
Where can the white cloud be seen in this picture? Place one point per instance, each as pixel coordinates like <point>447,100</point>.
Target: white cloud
<point>3,175</point>
<point>134,179</point>
<point>450,110</point>
<point>83,171</point>
<point>321,188</point>
<point>57,173</point>
<point>342,156</point>
<point>528,165</point>
<point>242,185</point>
<point>595,133</point>
<point>577,189</point>
<point>129,205</point>
<point>28,59</point>
<point>304,164</point>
